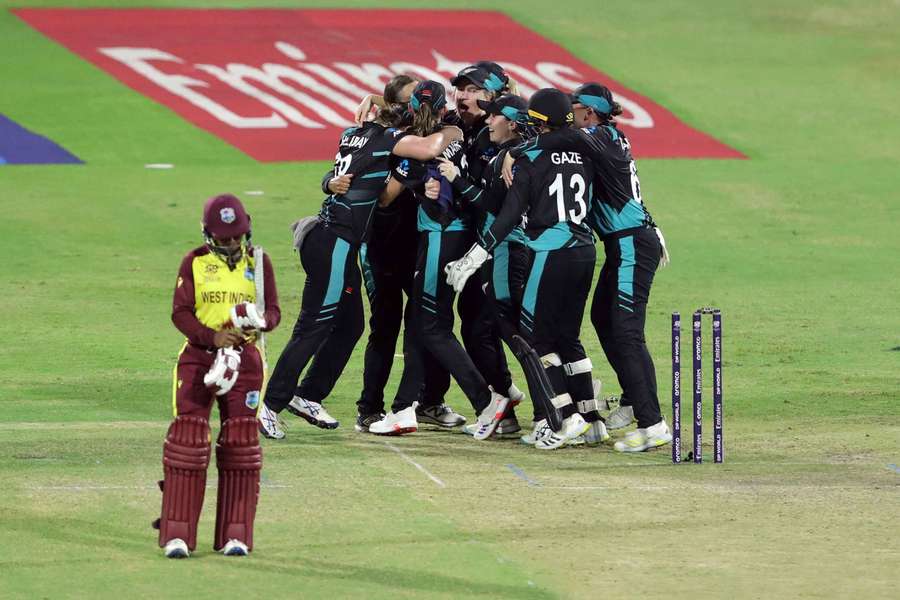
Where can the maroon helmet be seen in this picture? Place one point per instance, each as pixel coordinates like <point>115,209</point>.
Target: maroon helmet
<point>224,217</point>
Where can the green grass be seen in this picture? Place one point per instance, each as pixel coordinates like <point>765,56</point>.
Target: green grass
<point>798,245</point>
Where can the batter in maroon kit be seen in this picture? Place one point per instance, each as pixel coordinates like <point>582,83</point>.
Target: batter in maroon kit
<point>215,308</point>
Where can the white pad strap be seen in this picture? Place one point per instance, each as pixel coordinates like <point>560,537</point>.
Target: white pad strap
<point>551,360</point>
<point>561,400</point>
<point>587,406</point>
<point>579,366</point>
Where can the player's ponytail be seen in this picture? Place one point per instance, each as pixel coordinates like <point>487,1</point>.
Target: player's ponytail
<point>615,111</point>
<point>427,105</point>
<point>425,120</point>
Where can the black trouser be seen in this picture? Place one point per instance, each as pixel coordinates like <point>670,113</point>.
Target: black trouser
<point>329,325</point>
<point>480,333</point>
<point>553,302</point>
<point>389,262</point>
<point>433,317</point>
<point>503,279</point>
<point>618,314</point>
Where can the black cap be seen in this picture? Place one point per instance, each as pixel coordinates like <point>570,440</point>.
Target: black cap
<point>481,77</point>
<point>500,79</point>
<point>550,106</point>
<point>595,96</point>
<point>514,108</point>
<point>428,92</point>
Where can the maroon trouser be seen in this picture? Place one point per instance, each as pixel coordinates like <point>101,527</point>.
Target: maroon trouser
<point>186,451</point>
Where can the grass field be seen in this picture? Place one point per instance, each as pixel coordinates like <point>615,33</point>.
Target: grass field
<point>798,245</point>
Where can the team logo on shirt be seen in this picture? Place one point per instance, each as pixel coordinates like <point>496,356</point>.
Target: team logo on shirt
<point>252,400</point>
<point>227,215</point>
<point>248,274</point>
<point>212,269</point>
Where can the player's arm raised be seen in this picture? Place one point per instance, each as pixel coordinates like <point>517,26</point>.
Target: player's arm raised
<point>427,148</point>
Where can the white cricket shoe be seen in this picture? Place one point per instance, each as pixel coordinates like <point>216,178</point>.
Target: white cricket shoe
<point>643,439</point>
<point>516,395</point>
<point>531,437</point>
<point>269,424</point>
<point>491,416</point>
<point>312,412</point>
<point>620,418</point>
<point>572,427</point>
<point>507,428</point>
<point>396,423</point>
<point>235,548</point>
<point>364,422</point>
<point>596,434</point>
<point>440,415</point>
<point>176,548</point>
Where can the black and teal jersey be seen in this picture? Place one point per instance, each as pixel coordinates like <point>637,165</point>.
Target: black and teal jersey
<point>478,147</point>
<point>443,214</point>
<point>550,195</point>
<point>616,203</point>
<point>480,152</point>
<point>485,197</point>
<point>364,152</point>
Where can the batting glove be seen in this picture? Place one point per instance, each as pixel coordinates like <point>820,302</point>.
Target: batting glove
<point>245,316</point>
<point>459,271</point>
<point>223,372</point>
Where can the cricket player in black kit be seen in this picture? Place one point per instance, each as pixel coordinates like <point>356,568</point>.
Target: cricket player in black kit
<point>331,315</point>
<point>502,279</point>
<point>634,249</point>
<point>388,261</point>
<point>550,195</point>
<point>476,84</point>
<point>444,236</point>
<point>479,82</point>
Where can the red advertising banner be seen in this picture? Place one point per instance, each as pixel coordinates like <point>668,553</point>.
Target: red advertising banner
<point>281,85</point>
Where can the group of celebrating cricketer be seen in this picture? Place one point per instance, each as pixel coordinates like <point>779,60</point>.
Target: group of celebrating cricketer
<point>493,207</point>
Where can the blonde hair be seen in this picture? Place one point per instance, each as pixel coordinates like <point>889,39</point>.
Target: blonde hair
<point>425,120</point>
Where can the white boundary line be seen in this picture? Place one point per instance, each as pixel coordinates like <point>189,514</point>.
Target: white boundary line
<point>415,464</point>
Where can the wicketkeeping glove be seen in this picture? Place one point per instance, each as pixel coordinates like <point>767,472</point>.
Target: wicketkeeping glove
<point>246,316</point>
<point>459,271</point>
<point>223,372</point>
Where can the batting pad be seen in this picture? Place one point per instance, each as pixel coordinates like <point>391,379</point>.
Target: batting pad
<point>185,459</point>
<point>239,460</point>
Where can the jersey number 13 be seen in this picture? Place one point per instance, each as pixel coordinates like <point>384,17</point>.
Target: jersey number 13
<point>557,188</point>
